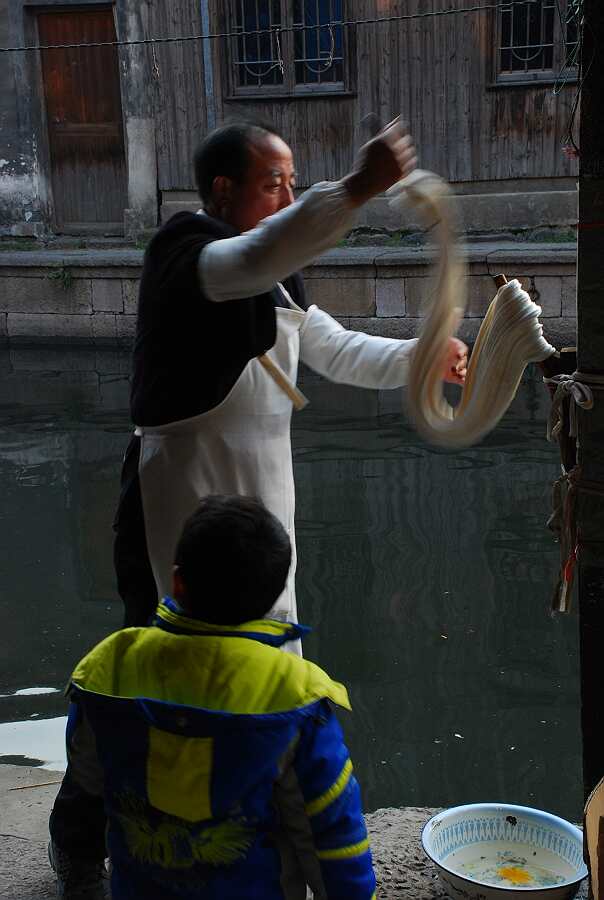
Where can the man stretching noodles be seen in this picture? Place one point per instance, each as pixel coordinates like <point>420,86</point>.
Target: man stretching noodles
<point>219,289</point>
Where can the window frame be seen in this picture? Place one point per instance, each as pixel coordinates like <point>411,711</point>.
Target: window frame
<point>534,76</point>
<point>289,89</point>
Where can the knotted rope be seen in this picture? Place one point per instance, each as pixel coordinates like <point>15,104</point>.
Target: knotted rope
<point>579,388</point>
<point>510,336</point>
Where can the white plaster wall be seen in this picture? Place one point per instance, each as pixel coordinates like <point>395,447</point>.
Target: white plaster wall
<point>142,168</point>
<point>20,199</point>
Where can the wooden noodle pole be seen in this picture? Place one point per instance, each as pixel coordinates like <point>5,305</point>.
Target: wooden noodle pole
<point>590,423</point>
<point>590,449</point>
<point>282,381</point>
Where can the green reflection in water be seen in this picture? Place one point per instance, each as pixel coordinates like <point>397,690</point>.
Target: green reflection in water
<point>426,575</point>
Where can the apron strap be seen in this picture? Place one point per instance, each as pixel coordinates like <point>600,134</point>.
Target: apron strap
<point>289,299</point>
<point>296,396</point>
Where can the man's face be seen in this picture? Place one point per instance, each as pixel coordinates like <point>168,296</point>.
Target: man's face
<point>268,184</point>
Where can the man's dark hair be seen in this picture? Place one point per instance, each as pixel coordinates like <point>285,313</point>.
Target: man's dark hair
<point>233,557</point>
<point>225,151</point>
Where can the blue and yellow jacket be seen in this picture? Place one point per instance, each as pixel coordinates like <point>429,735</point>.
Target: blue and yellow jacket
<point>222,764</point>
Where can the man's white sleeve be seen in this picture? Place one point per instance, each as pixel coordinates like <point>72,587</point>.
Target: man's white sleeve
<point>351,357</point>
<point>252,263</point>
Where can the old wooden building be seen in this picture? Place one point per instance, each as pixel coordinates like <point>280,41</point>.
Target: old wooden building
<point>99,138</point>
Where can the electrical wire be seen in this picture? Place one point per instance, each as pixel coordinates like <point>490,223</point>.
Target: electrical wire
<point>571,62</point>
<point>583,70</point>
<point>281,30</point>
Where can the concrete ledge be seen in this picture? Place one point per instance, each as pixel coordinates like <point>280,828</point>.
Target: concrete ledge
<point>489,253</point>
<point>560,332</point>
<point>30,259</point>
<point>483,211</point>
<point>486,251</point>
<point>486,212</point>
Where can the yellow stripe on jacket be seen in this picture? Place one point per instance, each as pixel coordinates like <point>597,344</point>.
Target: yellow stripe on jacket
<point>323,801</point>
<point>345,852</point>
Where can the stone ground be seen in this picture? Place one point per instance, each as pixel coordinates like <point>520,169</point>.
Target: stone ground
<point>404,872</point>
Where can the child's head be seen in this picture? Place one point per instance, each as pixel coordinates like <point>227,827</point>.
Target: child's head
<point>231,561</point>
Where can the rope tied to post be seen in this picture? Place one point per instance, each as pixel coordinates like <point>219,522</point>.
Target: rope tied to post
<point>578,388</point>
<point>576,391</point>
<point>563,522</point>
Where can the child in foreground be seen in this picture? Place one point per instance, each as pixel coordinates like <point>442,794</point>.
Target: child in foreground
<point>219,760</point>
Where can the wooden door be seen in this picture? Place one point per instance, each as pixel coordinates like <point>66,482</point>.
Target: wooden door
<point>84,115</point>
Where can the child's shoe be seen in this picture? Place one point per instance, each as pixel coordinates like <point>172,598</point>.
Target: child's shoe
<point>77,879</point>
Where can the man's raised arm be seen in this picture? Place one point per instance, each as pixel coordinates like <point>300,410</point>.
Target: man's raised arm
<point>253,262</point>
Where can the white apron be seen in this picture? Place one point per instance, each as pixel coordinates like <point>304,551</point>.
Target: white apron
<point>242,446</point>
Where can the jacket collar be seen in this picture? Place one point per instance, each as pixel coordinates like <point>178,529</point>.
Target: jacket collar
<point>169,617</point>
<point>217,226</point>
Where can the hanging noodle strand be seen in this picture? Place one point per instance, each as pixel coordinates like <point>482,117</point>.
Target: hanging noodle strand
<point>510,336</point>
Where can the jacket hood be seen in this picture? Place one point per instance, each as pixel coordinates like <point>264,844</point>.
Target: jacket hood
<point>230,669</point>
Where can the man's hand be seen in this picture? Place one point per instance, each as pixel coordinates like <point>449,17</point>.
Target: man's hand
<point>380,163</point>
<point>456,361</point>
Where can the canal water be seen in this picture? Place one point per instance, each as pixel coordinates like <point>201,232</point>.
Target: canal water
<point>426,576</point>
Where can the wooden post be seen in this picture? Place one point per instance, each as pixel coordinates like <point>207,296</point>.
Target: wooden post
<point>590,359</point>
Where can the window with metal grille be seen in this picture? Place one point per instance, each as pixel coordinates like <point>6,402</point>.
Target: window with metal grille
<point>257,56</point>
<point>300,48</point>
<point>537,39</point>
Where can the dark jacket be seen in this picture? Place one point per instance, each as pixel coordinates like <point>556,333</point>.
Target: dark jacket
<point>223,767</point>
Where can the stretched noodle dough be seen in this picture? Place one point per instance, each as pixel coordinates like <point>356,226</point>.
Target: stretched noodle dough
<point>510,336</point>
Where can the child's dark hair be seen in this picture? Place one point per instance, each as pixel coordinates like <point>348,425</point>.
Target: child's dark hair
<point>225,151</point>
<point>233,557</point>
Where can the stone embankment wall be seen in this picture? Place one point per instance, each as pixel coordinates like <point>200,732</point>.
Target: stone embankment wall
<point>91,295</point>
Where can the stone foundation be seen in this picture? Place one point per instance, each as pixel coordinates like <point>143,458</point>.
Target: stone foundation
<point>64,296</point>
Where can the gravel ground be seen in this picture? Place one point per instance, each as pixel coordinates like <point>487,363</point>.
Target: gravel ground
<point>402,868</point>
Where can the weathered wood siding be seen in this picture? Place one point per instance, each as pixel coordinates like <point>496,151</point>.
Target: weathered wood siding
<point>438,73</point>
<point>174,94</point>
<point>180,92</point>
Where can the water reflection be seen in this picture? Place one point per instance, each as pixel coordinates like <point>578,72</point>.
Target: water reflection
<point>426,575</point>
<point>38,743</point>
